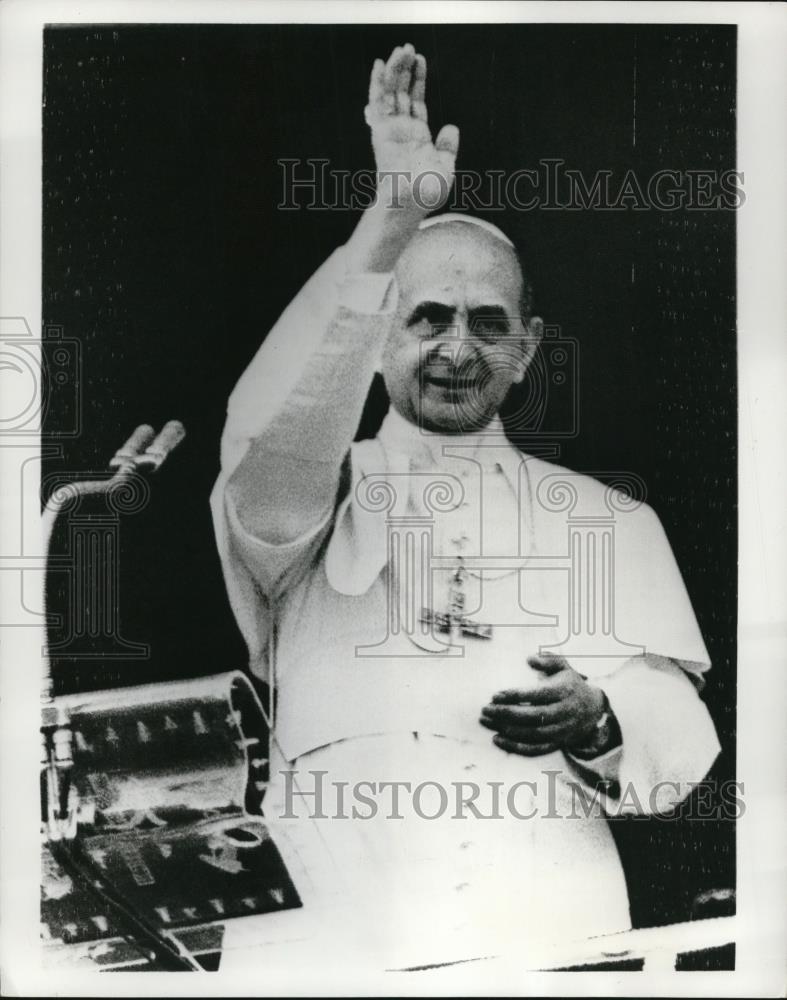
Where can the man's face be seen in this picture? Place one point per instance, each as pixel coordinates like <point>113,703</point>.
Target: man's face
<point>457,342</point>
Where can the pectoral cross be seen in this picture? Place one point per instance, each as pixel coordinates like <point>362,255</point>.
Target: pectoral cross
<point>454,621</point>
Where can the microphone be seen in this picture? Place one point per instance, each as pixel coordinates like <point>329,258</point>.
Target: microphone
<point>146,451</point>
<point>169,437</point>
<point>127,454</point>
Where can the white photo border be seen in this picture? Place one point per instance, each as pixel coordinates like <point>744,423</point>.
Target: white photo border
<point>762,321</point>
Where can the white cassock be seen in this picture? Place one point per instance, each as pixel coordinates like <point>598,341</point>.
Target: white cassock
<point>571,566</point>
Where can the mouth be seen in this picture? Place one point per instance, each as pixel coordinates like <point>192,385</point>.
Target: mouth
<point>446,380</point>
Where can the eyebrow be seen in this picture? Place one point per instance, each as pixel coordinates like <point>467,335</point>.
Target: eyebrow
<point>435,313</point>
<point>440,314</point>
<point>488,312</point>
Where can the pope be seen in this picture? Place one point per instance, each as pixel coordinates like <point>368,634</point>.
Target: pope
<point>323,540</point>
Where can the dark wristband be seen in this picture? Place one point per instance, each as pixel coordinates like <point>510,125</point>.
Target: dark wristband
<point>605,737</point>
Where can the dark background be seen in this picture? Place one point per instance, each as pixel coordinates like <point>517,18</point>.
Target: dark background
<point>165,257</point>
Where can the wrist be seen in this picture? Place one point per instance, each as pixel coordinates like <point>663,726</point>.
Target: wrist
<point>398,198</point>
<point>382,236</point>
<point>600,708</point>
<point>604,733</point>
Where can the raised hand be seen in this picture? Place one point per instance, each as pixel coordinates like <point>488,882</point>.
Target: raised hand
<point>419,172</point>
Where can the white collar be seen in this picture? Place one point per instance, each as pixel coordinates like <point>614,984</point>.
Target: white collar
<point>431,449</point>
<point>358,547</point>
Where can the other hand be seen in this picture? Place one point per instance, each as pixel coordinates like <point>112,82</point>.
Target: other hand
<point>559,713</point>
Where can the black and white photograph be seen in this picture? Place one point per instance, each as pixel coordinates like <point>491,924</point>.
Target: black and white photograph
<point>393,497</point>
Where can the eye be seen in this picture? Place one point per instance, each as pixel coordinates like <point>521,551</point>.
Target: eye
<point>433,319</point>
<point>441,329</point>
<point>490,326</point>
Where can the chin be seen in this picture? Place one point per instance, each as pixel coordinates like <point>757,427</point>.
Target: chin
<point>449,418</point>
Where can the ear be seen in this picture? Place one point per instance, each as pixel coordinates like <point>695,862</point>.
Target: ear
<point>534,331</point>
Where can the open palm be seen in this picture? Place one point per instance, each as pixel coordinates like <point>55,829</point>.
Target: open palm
<point>422,170</point>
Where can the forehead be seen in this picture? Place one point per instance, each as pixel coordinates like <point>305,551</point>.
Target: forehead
<point>459,261</point>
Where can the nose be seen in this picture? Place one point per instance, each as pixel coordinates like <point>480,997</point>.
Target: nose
<point>442,353</point>
<point>448,340</point>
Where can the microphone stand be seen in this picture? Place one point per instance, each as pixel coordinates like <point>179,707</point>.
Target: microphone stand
<point>143,453</point>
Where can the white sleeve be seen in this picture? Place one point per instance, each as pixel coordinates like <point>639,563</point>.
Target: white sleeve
<point>290,422</point>
<point>669,742</point>
<point>326,343</point>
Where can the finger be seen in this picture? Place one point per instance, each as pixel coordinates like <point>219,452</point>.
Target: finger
<point>397,71</point>
<point>534,737</point>
<point>537,735</point>
<point>418,91</point>
<point>526,715</point>
<point>405,68</point>
<point>544,694</point>
<point>447,140</point>
<point>524,749</point>
<point>446,148</point>
<point>403,76</point>
<point>377,83</point>
<point>392,71</point>
<point>418,110</point>
<point>511,696</point>
<point>548,663</point>
<point>402,102</point>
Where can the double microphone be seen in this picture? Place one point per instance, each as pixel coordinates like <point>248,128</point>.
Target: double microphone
<point>146,451</point>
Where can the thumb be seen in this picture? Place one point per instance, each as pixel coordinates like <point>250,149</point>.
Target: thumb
<point>548,663</point>
<point>447,140</point>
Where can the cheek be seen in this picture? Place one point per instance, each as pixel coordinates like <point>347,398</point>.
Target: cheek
<point>503,365</point>
<point>400,358</point>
